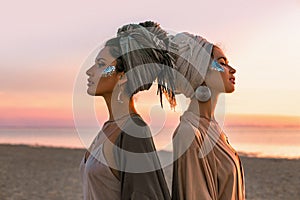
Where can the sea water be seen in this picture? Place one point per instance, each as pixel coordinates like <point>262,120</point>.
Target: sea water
<point>251,141</point>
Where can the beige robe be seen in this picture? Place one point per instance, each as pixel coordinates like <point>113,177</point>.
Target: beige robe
<point>206,166</point>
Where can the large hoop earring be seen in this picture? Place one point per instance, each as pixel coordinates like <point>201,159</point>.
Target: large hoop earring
<point>203,93</point>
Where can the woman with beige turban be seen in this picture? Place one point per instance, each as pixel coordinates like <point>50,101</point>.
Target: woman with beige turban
<point>205,165</point>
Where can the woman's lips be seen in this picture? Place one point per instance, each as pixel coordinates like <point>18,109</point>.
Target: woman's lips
<point>232,80</point>
<point>90,82</point>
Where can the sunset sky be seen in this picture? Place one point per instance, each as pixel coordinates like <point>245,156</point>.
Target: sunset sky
<point>45,46</point>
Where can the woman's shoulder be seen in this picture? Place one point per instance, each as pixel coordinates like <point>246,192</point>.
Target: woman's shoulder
<point>135,135</point>
<point>137,119</point>
<point>135,126</point>
<point>184,128</point>
<point>184,134</point>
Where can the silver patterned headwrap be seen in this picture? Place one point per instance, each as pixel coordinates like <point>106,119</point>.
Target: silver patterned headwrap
<point>193,59</point>
<point>145,58</point>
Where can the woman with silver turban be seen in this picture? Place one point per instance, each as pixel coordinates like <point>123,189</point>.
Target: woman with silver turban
<point>122,163</point>
<point>205,165</point>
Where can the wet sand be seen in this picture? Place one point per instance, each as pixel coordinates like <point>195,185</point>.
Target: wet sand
<point>53,173</point>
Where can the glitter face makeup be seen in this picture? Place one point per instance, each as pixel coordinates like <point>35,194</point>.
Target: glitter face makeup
<point>216,66</point>
<point>108,71</point>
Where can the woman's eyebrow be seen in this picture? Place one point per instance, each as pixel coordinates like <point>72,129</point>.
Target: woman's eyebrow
<point>99,59</point>
<point>223,58</point>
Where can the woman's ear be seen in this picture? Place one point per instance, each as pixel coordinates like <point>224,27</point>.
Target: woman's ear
<point>122,78</point>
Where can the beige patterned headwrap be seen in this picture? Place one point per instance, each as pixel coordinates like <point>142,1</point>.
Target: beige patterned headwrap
<point>193,58</point>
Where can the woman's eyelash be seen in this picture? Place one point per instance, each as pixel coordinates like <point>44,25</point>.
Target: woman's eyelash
<point>101,64</point>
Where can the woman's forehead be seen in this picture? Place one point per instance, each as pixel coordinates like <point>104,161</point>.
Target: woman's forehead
<point>218,53</point>
<point>104,55</point>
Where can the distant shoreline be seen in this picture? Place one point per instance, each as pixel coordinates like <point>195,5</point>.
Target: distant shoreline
<point>241,154</point>
<point>40,146</point>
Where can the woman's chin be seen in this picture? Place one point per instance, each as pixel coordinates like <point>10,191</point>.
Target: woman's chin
<point>90,92</point>
<point>230,90</point>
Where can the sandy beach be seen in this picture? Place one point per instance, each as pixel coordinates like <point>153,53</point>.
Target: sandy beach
<point>53,173</point>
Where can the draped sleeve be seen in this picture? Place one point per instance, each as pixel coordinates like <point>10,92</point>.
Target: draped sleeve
<point>194,173</point>
<point>139,168</point>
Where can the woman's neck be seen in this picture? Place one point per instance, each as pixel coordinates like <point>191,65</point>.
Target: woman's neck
<point>118,109</point>
<point>204,109</point>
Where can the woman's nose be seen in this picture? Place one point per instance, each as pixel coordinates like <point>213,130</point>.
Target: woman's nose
<point>232,70</point>
<point>89,71</point>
